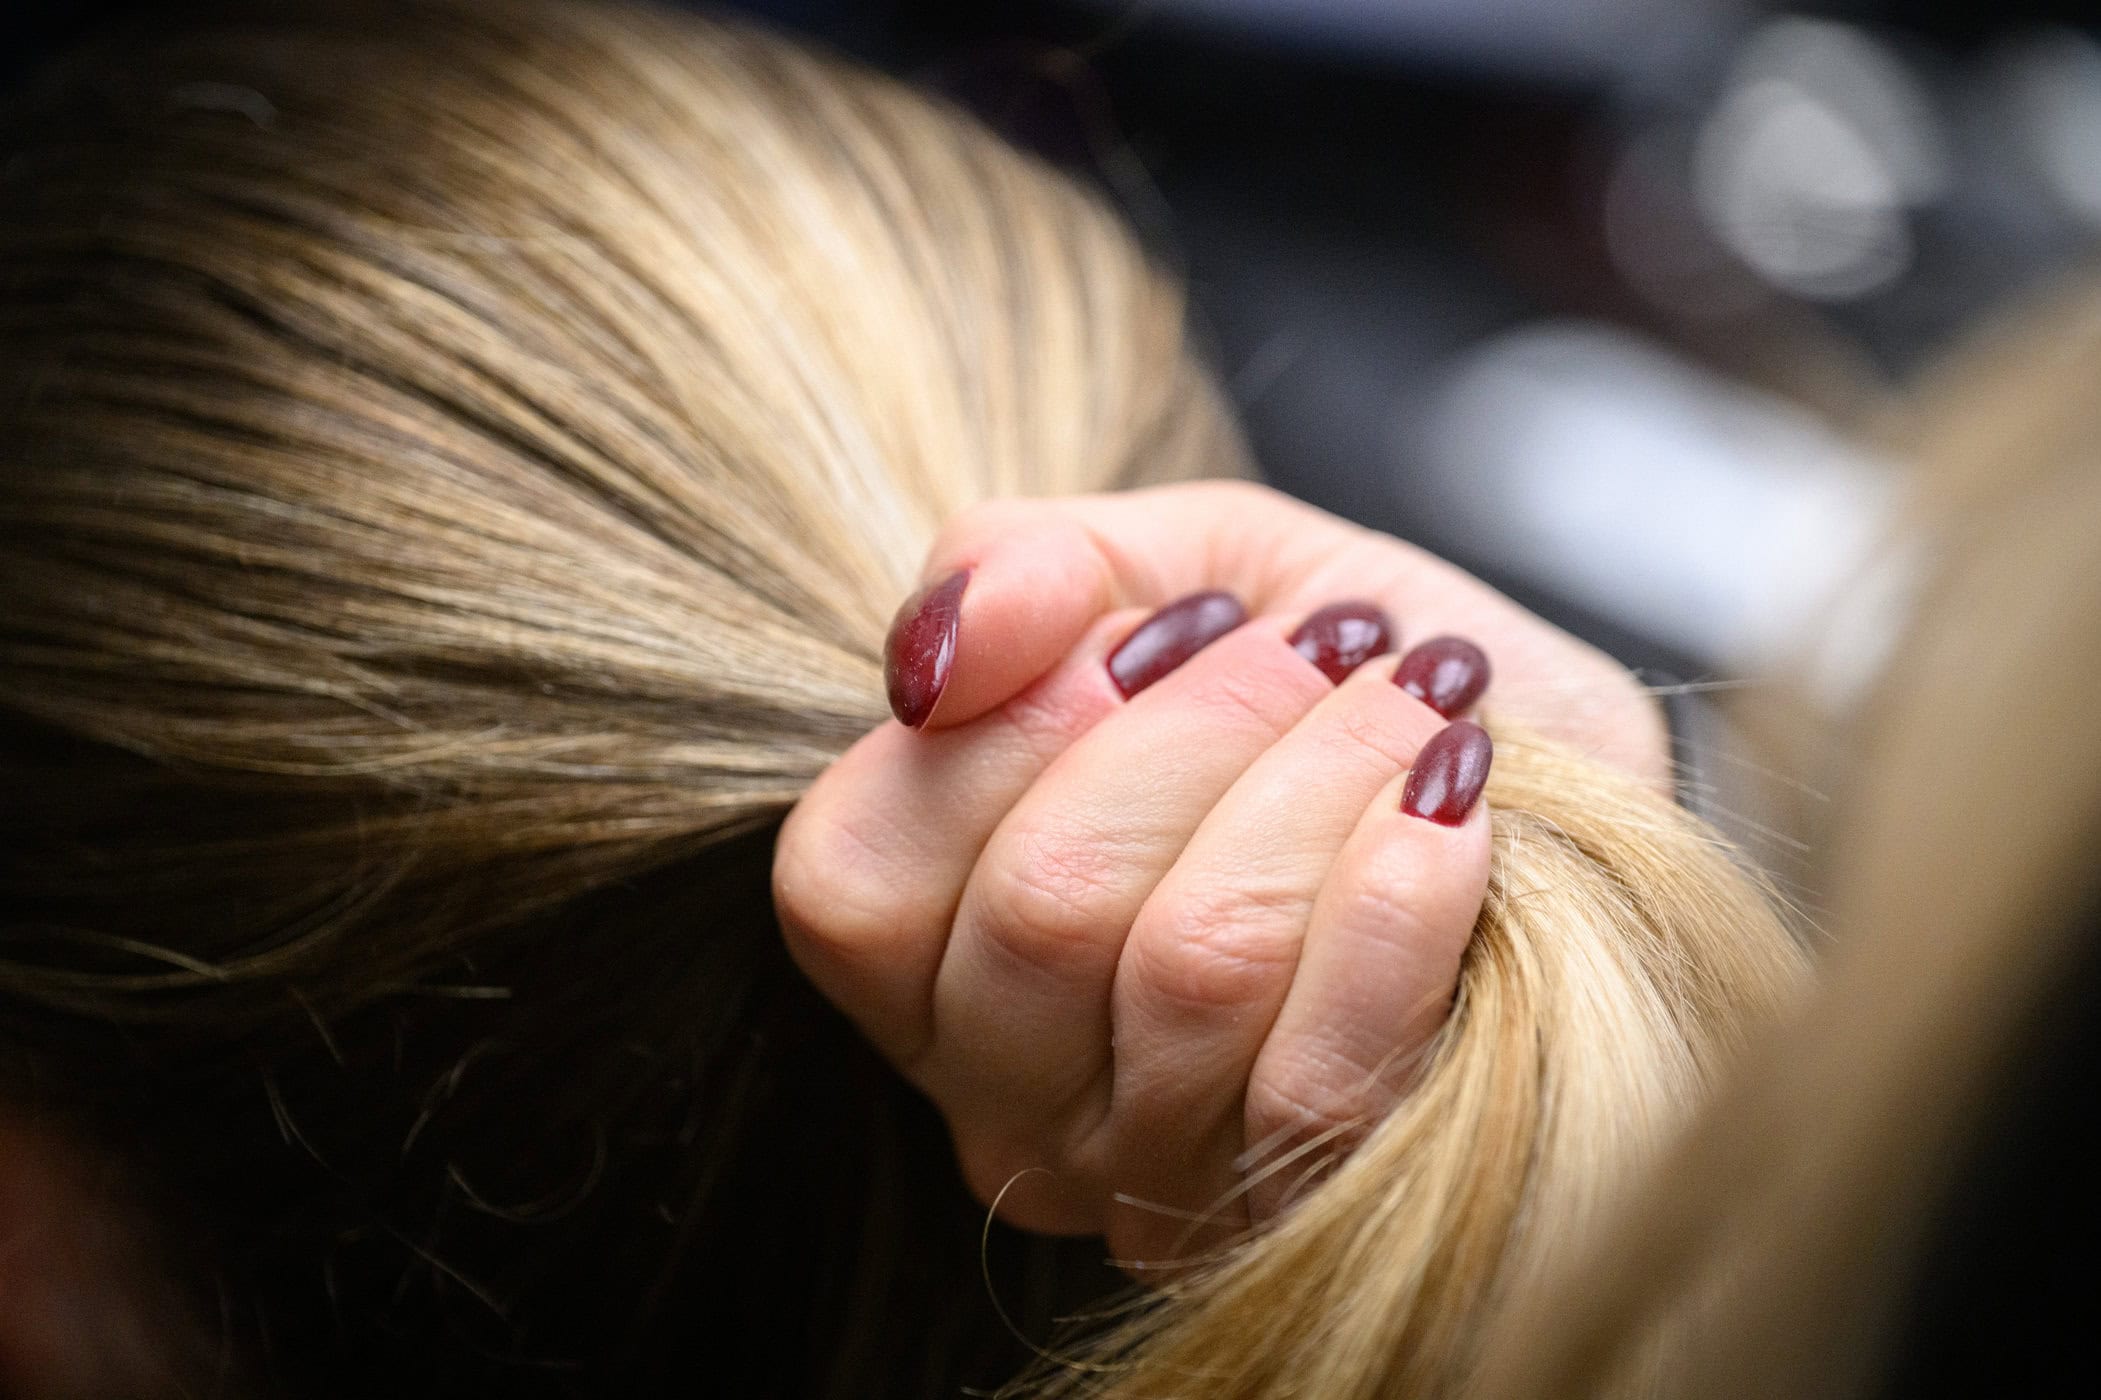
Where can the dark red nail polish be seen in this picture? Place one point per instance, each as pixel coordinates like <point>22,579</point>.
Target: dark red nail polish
<point>921,648</point>
<point>1446,673</point>
<point>1343,636</point>
<point>1171,636</point>
<point>1449,774</point>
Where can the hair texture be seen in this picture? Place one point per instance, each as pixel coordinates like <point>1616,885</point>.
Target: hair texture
<point>1962,894</point>
<point>460,463</point>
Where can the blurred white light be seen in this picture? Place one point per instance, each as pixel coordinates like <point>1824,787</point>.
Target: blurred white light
<point>1799,196</point>
<point>1710,517</point>
<point>2051,82</point>
<point>1819,149</point>
<point>1858,79</point>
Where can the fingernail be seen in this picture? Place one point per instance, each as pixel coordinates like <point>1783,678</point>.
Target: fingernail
<point>1449,774</point>
<point>1343,636</point>
<point>1171,636</point>
<point>921,648</point>
<point>1446,673</point>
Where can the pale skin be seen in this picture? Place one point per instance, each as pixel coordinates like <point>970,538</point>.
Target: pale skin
<point>1140,950</point>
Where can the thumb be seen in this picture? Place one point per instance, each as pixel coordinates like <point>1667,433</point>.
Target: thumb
<point>1012,586</point>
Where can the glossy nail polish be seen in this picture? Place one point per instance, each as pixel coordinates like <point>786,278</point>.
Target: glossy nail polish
<point>921,649</point>
<point>1171,636</point>
<point>1343,636</point>
<point>1446,673</point>
<point>1449,774</point>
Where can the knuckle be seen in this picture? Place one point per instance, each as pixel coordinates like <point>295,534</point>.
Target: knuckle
<point>1304,1095</point>
<point>833,889</point>
<point>988,1164</point>
<point>1220,949</point>
<point>1047,717</point>
<point>977,521</point>
<point>1238,494</point>
<point>1240,501</point>
<point>1374,734</point>
<point>993,1167</point>
<point>1023,1185</point>
<point>1055,903</point>
<point>1254,698</point>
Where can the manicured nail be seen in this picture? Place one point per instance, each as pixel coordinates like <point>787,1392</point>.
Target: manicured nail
<point>1171,636</point>
<point>1449,774</point>
<point>1446,673</point>
<point>1343,636</point>
<point>921,649</point>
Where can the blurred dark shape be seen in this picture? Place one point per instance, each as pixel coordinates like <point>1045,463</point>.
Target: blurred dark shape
<point>1556,41</point>
<point>1586,296</point>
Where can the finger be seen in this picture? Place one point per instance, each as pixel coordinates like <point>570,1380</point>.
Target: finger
<point>1022,996</point>
<point>1381,958</point>
<point>1037,573</point>
<point>1012,585</point>
<point>871,863</point>
<point>1212,954</point>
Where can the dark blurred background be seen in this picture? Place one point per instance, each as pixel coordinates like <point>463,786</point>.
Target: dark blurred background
<point>1600,298</point>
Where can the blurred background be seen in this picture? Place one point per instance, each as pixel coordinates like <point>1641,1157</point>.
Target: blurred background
<point>1608,300</point>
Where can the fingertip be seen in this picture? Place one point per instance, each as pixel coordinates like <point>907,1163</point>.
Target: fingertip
<point>1341,637</point>
<point>920,652</point>
<point>1022,594</point>
<point>1171,636</point>
<point>1446,673</point>
<point>1448,776</point>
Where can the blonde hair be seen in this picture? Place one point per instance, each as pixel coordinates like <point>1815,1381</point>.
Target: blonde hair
<point>462,459</point>
<point>1799,1208</point>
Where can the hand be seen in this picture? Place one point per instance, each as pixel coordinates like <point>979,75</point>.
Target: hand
<point>1155,943</point>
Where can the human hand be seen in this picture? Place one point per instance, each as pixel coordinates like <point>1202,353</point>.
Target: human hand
<point>1152,943</point>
